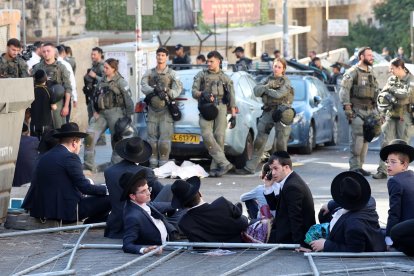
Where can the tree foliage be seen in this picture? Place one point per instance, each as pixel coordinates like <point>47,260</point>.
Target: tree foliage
<point>394,30</point>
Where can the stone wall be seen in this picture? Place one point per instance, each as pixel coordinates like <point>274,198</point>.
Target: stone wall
<point>41,17</point>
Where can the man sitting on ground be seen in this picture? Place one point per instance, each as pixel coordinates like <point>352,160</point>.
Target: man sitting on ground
<point>219,221</point>
<point>61,185</point>
<point>143,224</point>
<point>292,200</point>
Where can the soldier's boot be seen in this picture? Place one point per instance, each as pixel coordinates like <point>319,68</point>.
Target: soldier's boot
<point>379,175</point>
<point>164,151</point>
<point>225,169</point>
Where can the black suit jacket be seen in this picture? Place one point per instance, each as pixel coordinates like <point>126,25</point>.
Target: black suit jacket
<point>114,223</point>
<point>401,198</point>
<point>60,183</point>
<point>220,221</point>
<point>140,229</point>
<point>26,160</point>
<point>357,231</point>
<point>295,212</point>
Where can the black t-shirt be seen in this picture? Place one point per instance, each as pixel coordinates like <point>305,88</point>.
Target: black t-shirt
<point>40,110</point>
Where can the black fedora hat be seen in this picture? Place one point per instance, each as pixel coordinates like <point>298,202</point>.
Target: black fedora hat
<point>69,130</point>
<point>350,190</point>
<point>397,145</point>
<point>184,191</point>
<point>127,180</point>
<point>134,149</point>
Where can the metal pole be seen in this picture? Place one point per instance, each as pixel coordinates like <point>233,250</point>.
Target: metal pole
<point>51,230</point>
<point>155,264</point>
<point>355,255</point>
<point>313,266</point>
<point>24,21</point>
<point>57,273</point>
<point>285,30</point>
<point>138,53</point>
<point>29,269</point>
<point>119,268</point>
<point>76,248</point>
<point>254,260</point>
<point>215,32</point>
<point>195,244</point>
<point>57,22</point>
<point>227,34</point>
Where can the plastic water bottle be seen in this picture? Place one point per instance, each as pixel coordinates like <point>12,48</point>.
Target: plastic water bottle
<point>224,65</point>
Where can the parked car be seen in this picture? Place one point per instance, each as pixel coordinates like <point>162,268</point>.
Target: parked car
<point>316,119</point>
<point>187,141</point>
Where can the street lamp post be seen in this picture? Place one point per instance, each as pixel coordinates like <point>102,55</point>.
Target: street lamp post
<point>138,52</point>
<point>285,30</point>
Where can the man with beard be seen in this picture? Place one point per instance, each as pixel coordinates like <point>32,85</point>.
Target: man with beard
<point>358,95</point>
<point>11,64</point>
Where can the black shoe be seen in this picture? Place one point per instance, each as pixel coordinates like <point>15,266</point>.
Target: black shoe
<point>364,172</point>
<point>223,170</point>
<point>243,171</point>
<point>379,175</point>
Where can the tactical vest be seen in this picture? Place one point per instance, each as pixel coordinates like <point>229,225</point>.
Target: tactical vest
<point>108,95</point>
<point>53,72</point>
<point>9,69</point>
<point>276,83</point>
<point>402,104</point>
<point>364,85</point>
<point>165,81</point>
<point>213,83</point>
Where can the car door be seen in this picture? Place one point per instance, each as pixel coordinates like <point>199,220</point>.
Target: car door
<point>326,108</point>
<point>316,103</point>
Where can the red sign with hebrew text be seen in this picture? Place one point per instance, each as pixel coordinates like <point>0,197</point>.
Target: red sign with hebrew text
<point>240,11</point>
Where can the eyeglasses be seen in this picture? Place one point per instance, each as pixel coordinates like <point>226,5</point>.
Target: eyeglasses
<point>146,191</point>
<point>392,162</point>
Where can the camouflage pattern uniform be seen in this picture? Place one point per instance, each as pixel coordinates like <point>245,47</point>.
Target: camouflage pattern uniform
<point>56,74</point>
<point>16,68</point>
<point>274,92</point>
<point>112,101</point>
<point>359,89</point>
<point>160,123</point>
<point>214,131</point>
<point>399,118</point>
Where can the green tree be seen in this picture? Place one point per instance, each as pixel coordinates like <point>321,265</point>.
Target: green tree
<point>361,34</point>
<point>394,17</point>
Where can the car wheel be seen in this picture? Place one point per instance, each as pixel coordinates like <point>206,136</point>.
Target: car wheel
<point>310,141</point>
<point>334,140</point>
<point>240,161</point>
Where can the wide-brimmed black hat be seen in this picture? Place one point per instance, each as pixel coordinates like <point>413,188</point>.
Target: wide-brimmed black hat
<point>40,76</point>
<point>208,111</point>
<point>134,149</point>
<point>69,130</point>
<point>127,180</point>
<point>184,191</point>
<point>397,145</point>
<point>350,190</point>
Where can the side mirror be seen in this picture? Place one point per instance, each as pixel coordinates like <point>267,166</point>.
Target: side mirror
<point>317,100</point>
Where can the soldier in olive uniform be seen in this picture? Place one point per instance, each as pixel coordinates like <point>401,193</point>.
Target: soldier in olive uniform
<point>395,102</point>
<point>358,95</point>
<point>275,91</point>
<point>91,78</point>
<point>215,88</point>
<point>56,74</point>
<point>111,101</point>
<point>11,65</point>
<point>160,84</point>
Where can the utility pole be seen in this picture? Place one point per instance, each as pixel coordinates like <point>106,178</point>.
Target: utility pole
<point>57,22</point>
<point>138,52</point>
<point>24,21</point>
<point>412,35</point>
<point>285,30</point>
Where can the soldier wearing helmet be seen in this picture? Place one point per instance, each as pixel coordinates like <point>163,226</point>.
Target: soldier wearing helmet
<point>358,94</point>
<point>277,95</point>
<point>214,91</point>
<point>160,85</point>
<point>395,103</point>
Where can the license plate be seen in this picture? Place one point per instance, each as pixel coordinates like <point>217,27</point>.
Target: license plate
<point>186,138</point>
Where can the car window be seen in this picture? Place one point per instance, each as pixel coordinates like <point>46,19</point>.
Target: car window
<point>187,81</point>
<point>321,88</point>
<point>299,88</point>
<point>245,87</point>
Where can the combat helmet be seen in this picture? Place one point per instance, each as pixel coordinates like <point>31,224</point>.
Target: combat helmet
<point>208,111</point>
<point>284,114</point>
<point>385,101</point>
<point>371,127</point>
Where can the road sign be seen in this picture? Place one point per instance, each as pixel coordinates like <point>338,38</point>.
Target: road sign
<point>147,7</point>
<point>338,27</point>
